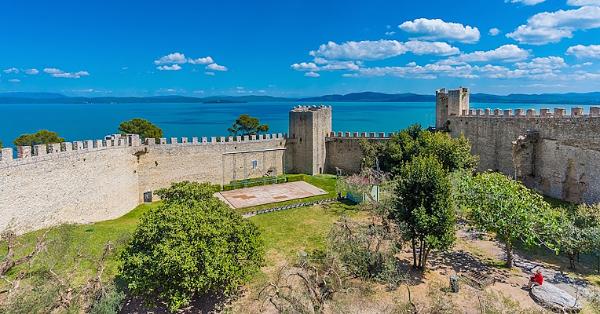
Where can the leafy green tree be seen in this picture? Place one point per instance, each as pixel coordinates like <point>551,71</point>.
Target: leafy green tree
<point>39,137</point>
<point>513,212</point>
<point>423,204</point>
<point>187,192</point>
<point>247,125</point>
<point>142,127</point>
<point>453,153</point>
<point>190,245</point>
<point>579,231</point>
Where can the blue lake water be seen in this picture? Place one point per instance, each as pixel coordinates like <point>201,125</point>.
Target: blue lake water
<point>94,121</point>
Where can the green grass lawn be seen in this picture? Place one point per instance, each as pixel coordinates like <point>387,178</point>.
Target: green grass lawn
<point>73,250</point>
<point>289,231</point>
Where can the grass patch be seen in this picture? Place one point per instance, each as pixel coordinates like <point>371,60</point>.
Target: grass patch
<point>287,232</point>
<point>325,182</point>
<point>73,250</point>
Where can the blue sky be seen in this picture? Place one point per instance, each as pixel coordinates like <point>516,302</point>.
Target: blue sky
<point>298,48</point>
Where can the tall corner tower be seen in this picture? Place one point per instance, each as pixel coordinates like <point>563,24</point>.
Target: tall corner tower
<point>308,129</point>
<point>450,103</point>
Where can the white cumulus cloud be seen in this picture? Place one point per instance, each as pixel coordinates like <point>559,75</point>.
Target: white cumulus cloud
<point>380,49</point>
<point>525,2</point>
<point>312,74</point>
<point>216,67</point>
<point>205,60</point>
<point>508,53</point>
<point>11,71</point>
<point>581,3</point>
<point>54,72</point>
<point>494,31</point>
<point>305,66</point>
<point>542,64</point>
<point>173,62</point>
<point>172,58</point>
<point>551,27</point>
<point>32,71</point>
<point>360,50</point>
<point>172,67</point>
<point>14,81</point>
<point>585,52</point>
<point>433,29</point>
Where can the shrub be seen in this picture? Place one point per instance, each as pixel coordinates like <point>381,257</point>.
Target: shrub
<point>365,251</point>
<point>110,301</point>
<point>192,244</point>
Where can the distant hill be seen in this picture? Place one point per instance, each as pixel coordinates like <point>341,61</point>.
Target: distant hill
<point>32,95</point>
<point>373,97</point>
<point>11,99</point>
<point>568,98</point>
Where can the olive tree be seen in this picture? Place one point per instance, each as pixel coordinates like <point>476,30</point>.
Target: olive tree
<point>193,244</point>
<point>423,205</point>
<point>513,212</point>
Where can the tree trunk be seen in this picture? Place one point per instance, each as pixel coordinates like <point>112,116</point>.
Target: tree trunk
<point>509,255</point>
<point>571,261</point>
<point>425,256</point>
<point>414,249</point>
<point>421,249</point>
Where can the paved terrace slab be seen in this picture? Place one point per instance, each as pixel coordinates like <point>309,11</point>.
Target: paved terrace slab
<point>266,194</point>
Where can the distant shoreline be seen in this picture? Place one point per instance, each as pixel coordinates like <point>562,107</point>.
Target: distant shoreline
<point>51,98</point>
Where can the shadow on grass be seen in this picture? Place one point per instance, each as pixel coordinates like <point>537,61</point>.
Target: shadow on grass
<point>209,303</point>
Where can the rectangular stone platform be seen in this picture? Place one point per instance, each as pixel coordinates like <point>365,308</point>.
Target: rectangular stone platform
<point>266,194</point>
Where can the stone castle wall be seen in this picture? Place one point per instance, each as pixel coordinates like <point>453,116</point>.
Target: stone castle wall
<point>69,186</point>
<point>218,161</point>
<point>88,181</point>
<point>344,151</point>
<point>555,153</point>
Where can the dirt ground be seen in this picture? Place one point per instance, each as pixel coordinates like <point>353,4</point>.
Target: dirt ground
<point>474,253</point>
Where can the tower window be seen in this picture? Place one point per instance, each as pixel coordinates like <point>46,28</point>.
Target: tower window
<point>254,164</point>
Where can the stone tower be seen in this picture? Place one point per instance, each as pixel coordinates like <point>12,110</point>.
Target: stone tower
<point>305,151</point>
<point>450,103</point>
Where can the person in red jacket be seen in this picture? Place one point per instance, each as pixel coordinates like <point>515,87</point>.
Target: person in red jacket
<point>536,280</point>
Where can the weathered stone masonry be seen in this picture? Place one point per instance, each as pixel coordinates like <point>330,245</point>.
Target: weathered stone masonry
<point>555,153</point>
<point>89,181</point>
<point>93,180</point>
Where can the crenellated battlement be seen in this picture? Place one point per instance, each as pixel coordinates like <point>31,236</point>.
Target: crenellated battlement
<point>555,151</point>
<point>307,108</point>
<point>575,112</point>
<point>43,152</point>
<point>214,139</point>
<point>354,135</point>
